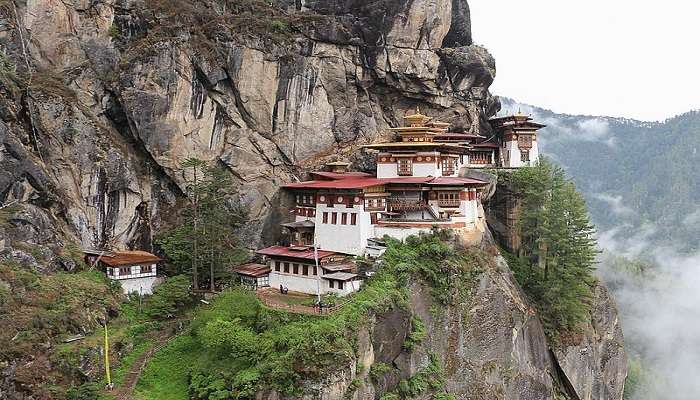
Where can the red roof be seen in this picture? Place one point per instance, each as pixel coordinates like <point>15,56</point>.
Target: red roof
<point>304,253</point>
<point>350,183</point>
<point>338,175</point>
<point>254,270</point>
<point>134,257</point>
<point>360,183</point>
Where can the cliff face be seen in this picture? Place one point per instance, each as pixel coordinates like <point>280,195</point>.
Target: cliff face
<point>102,100</point>
<point>122,91</point>
<point>489,344</point>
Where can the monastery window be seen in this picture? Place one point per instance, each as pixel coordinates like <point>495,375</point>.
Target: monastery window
<point>286,268</point>
<point>405,166</point>
<point>525,155</point>
<point>277,266</point>
<point>146,269</point>
<point>298,199</point>
<point>525,141</point>
<point>344,219</point>
<point>340,285</point>
<point>325,217</point>
<point>315,270</point>
<point>330,283</point>
<point>353,219</point>
<point>448,166</point>
<point>124,271</point>
<point>448,199</point>
<point>305,269</point>
<point>295,268</point>
<point>334,217</point>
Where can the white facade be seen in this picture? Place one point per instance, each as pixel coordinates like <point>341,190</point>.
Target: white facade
<point>348,287</point>
<point>512,155</point>
<point>343,238</point>
<point>137,280</point>
<point>143,285</point>
<point>295,282</point>
<point>423,164</point>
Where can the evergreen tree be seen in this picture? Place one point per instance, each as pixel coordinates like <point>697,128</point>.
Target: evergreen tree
<point>203,244</point>
<point>558,248</point>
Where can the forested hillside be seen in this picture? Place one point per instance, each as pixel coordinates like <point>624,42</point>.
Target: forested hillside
<point>639,178</point>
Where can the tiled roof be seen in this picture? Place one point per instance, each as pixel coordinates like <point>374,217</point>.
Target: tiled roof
<point>340,276</point>
<point>338,267</point>
<point>133,257</point>
<point>304,253</point>
<point>254,270</point>
<point>361,183</point>
<point>337,175</point>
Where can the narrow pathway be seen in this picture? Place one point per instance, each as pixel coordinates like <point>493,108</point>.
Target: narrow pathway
<point>125,391</point>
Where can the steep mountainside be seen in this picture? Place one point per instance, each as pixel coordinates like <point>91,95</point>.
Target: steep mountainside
<point>104,100</point>
<point>635,174</point>
<point>101,102</point>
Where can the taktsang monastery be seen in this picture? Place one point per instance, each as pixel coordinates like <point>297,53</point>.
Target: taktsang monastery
<point>417,187</point>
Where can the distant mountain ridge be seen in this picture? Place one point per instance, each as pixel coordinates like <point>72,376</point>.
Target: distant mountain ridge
<point>638,177</point>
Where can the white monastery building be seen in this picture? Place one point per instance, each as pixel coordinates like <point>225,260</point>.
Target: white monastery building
<point>417,187</point>
<point>135,270</point>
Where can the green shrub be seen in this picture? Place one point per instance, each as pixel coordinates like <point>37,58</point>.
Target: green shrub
<point>378,370</point>
<point>168,297</point>
<point>417,334</point>
<point>86,391</point>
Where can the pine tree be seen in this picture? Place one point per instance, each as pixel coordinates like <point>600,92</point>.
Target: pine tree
<point>558,251</point>
<point>204,244</point>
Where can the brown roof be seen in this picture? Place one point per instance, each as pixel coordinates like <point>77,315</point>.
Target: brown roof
<point>338,267</point>
<point>254,270</point>
<point>133,257</point>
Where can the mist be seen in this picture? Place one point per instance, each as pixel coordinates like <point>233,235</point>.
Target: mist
<point>659,312</point>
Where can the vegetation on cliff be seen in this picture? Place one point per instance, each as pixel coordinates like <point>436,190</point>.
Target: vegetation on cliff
<point>201,245</point>
<point>236,346</point>
<point>556,261</point>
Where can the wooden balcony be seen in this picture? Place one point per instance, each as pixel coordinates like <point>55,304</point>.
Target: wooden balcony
<point>449,203</point>
<point>406,205</point>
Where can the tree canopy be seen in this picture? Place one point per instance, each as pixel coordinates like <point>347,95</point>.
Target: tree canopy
<point>556,261</point>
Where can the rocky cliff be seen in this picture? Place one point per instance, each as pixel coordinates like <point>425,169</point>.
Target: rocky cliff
<point>486,343</point>
<point>103,100</point>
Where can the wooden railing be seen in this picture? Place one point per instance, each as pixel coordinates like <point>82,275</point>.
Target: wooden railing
<point>449,203</point>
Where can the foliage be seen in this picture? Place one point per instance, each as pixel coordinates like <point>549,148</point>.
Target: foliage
<point>9,79</point>
<point>558,252</point>
<point>203,239</point>
<point>86,391</point>
<point>378,370</point>
<point>431,378</point>
<point>236,346</point>
<point>417,334</point>
<point>169,297</point>
<point>649,168</point>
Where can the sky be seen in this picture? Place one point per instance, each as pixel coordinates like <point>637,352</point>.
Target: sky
<point>622,58</point>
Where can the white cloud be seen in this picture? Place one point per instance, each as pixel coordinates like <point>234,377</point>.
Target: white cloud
<point>622,58</point>
<point>616,204</point>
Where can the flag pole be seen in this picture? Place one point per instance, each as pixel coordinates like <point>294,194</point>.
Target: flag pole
<point>318,276</point>
<point>107,373</point>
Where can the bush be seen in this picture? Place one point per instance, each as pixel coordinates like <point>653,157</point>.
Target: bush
<point>86,391</point>
<point>378,370</point>
<point>417,334</point>
<point>169,297</point>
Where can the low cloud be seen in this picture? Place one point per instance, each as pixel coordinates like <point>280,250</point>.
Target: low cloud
<point>659,311</point>
<point>615,203</point>
<point>591,129</point>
